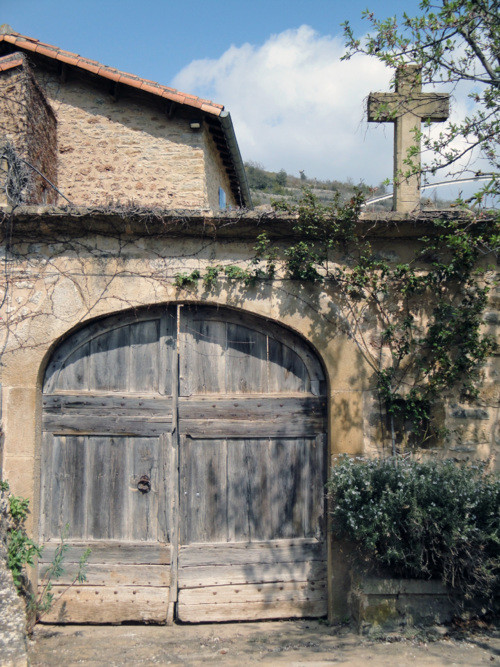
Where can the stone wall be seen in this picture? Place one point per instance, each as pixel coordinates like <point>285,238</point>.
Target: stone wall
<point>27,121</point>
<point>378,603</point>
<point>216,175</point>
<point>128,150</point>
<point>67,269</point>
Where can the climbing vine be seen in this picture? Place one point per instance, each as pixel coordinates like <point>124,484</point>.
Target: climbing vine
<point>427,310</point>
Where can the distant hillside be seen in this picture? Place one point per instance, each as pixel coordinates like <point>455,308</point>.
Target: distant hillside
<point>266,186</point>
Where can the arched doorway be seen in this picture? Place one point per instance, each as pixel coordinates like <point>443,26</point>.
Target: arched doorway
<point>186,446</point>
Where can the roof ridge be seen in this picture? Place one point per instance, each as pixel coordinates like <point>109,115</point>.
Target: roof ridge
<point>112,73</point>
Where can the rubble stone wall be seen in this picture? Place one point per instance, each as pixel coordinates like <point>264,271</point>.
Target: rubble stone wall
<point>28,122</point>
<point>128,150</point>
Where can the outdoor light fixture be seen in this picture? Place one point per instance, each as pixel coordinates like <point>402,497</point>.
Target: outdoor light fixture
<point>195,125</point>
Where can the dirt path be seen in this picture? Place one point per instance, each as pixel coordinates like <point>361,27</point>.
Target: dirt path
<point>267,643</point>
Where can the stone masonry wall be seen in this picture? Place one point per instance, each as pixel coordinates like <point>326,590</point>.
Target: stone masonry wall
<point>472,430</point>
<point>64,272</point>
<point>27,121</point>
<point>216,175</point>
<point>124,151</point>
<point>60,284</point>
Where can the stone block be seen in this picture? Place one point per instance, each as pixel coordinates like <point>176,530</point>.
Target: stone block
<point>384,603</point>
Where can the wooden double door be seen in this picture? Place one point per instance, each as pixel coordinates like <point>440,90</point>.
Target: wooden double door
<point>186,447</point>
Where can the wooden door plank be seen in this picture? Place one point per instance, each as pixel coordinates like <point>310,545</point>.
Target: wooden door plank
<point>272,330</point>
<point>102,404</point>
<point>203,498</point>
<point>108,604</point>
<point>287,371</point>
<point>167,351</point>
<point>202,361</point>
<point>173,461</point>
<point>113,574</point>
<point>286,426</point>
<point>222,575</point>
<point>251,611</point>
<point>50,514</point>
<point>246,361</point>
<point>139,553</point>
<point>109,360</point>
<point>238,553</point>
<point>259,592</point>
<point>74,488</point>
<point>144,356</point>
<point>262,407</point>
<point>78,424</point>
<point>74,371</point>
<point>142,518</point>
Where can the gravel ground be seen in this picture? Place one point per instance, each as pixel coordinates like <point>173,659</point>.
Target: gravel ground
<point>268,643</point>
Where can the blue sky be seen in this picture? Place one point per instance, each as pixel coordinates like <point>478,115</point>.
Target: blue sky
<point>274,64</point>
<point>157,38</point>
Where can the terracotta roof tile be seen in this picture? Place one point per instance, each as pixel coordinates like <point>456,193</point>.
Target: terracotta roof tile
<point>9,64</point>
<point>125,78</point>
<point>45,51</point>
<point>109,74</point>
<point>146,85</point>
<point>88,67</point>
<point>34,45</point>
<point>21,43</point>
<point>69,60</point>
<point>148,88</point>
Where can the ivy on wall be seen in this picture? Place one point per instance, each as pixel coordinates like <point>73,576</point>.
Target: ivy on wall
<point>428,311</point>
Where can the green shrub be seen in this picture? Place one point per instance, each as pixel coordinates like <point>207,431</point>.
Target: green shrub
<point>422,519</point>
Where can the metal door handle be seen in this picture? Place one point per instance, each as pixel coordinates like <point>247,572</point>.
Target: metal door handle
<point>144,484</point>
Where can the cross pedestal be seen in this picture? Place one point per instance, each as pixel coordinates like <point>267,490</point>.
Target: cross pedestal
<point>407,108</point>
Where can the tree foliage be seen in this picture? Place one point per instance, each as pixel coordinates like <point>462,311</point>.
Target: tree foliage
<point>455,41</point>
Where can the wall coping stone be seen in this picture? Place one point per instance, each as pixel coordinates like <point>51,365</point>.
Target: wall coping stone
<point>239,224</point>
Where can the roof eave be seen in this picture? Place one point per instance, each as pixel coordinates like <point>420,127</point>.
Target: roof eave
<point>228,129</point>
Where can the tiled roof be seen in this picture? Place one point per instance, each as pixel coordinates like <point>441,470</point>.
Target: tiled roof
<point>92,66</point>
<point>8,62</point>
<point>218,120</point>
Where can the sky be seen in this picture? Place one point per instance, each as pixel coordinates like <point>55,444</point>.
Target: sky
<point>274,64</point>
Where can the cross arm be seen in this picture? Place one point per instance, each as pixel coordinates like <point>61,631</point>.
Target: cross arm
<point>386,107</point>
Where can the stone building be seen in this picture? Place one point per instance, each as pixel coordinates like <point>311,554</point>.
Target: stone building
<point>183,431</point>
<point>102,135</point>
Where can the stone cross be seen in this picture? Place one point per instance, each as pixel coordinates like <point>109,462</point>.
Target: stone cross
<point>407,108</point>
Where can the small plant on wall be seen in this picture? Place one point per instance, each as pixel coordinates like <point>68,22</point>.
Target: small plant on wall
<point>417,323</point>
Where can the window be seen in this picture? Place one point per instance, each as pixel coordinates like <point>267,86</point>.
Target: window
<point>222,199</point>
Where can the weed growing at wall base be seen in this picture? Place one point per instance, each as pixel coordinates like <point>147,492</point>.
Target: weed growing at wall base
<point>22,552</point>
<point>422,519</point>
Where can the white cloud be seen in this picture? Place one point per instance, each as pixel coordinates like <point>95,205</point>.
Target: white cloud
<point>296,105</point>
